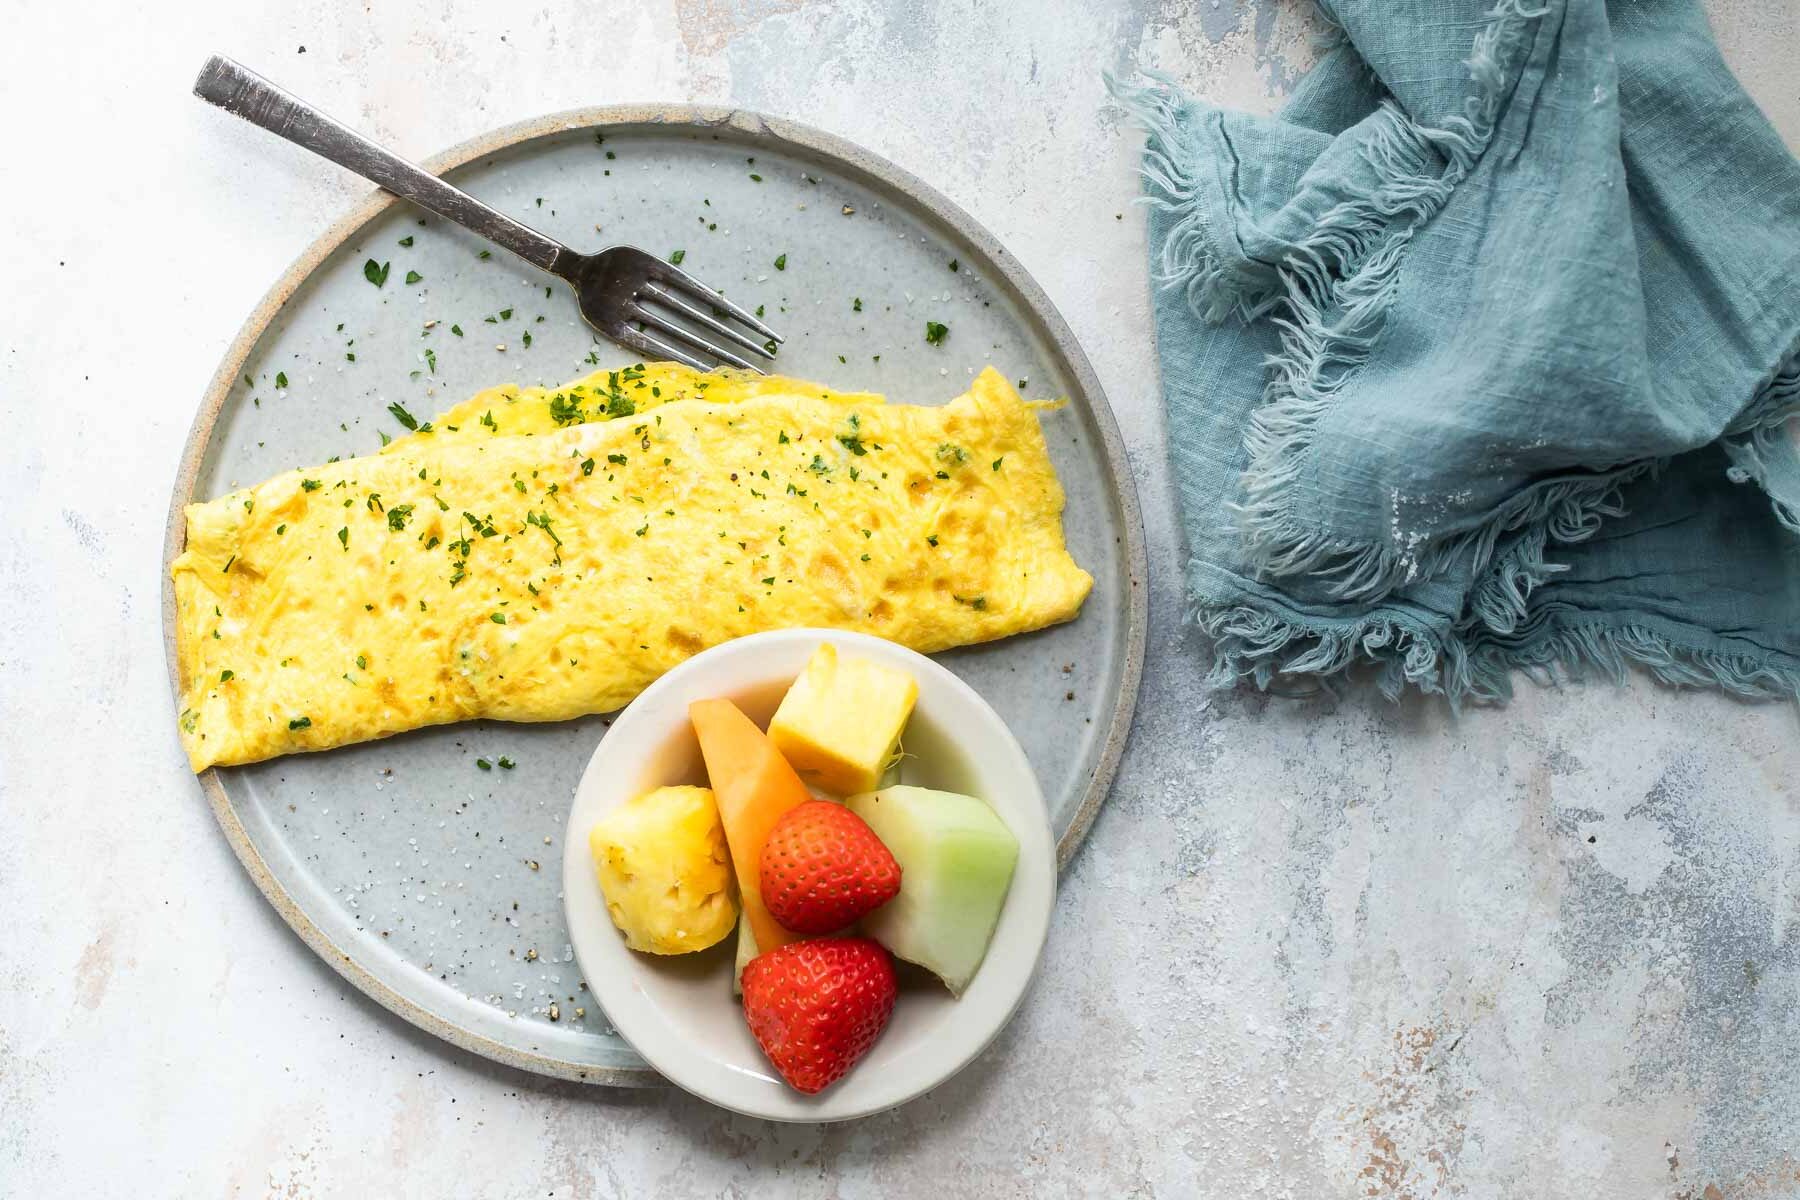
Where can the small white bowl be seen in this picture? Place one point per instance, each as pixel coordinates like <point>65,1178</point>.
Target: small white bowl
<point>679,1012</point>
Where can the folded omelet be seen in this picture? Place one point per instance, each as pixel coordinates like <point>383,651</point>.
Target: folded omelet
<point>539,568</point>
<point>511,410</point>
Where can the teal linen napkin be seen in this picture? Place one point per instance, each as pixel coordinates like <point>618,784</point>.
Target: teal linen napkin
<point>1480,355</point>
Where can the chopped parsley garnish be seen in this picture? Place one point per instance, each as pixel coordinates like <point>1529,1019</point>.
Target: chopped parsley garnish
<point>431,361</point>
<point>407,240</point>
<point>587,466</point>
<point>542,521</point>
<point>498,618</point>
<point>398,516</point>
<point>487,418</point>
<point>677,257</point>
<point>226,569</point>
<point>852,441</point>
<point>755,178</point>
<point>818,466</point>
<point>781,262</point>
<point>952,455</point>
<point>618,404</point>
<point>310,485</point>
<point>484,764</point>
<point>856,304</point>
<point>281,379</point>
<point>226,676</point>
<point>344,537</point>
<point>616,459</point>
<point>457,330</point>
<point>642,529</point>
<point>413,277</point>
<point>506,314</point>
<point>485,254</point>
<point>565,410</point>
<point>300,723</point>
<point>781,437</point>
<point>935,332</point>
<point>526,338</point>
<point>955,266</point>
<point>932,539</point>
<point>362,662</point>
<point>769,580</point>
<point>975,602</point>
<point>506,764</point>
<point>376,273</point>
<point>401,415</point>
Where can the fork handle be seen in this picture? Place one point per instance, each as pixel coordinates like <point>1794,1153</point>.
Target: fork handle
<point>246,94</point>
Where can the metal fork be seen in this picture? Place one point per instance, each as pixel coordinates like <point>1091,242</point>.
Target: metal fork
<point>624,292</point>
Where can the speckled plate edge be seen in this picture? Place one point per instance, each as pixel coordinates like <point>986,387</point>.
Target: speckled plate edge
<point>1057,335</point>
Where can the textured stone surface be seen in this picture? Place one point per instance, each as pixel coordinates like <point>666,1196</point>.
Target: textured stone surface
<point>1307,952</point>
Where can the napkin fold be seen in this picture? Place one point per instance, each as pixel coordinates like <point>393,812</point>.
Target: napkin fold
<point>1481,355</point>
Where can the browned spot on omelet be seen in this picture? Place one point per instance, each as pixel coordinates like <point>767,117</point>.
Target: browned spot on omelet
<point>684,640</point>
<point>390,695</point>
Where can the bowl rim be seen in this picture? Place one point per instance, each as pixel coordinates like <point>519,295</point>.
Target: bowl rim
<point>631,1011</point>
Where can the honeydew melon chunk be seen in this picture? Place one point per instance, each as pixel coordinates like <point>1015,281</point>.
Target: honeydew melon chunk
<point>746,950</point>
<point>956,863</point>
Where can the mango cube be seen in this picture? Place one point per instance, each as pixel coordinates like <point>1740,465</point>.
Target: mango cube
<point>665,872</point>
<point>839,725</point>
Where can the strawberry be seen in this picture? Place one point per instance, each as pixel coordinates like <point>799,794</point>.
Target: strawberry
<point>815,1007</point>
<point>823,867</point>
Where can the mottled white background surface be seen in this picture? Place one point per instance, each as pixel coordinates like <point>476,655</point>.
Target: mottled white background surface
<point>1308,953</point>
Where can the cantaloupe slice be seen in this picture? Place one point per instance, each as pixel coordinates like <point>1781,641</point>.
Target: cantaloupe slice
<point>956,863</point>
<point>753,786</point>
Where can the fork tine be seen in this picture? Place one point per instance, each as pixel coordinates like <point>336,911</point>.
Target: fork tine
<point>665,296</point>
<point>645,316</point>
<point>698,290</point>
<point>655,347</point>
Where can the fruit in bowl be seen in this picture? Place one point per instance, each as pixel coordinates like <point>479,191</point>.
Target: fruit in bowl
<point>832,884</point>
<point>664,871</point>
<point>957,859</point>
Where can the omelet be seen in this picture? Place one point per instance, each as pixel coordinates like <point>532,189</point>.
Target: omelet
<point>552,572</point>
<point>511,410</point>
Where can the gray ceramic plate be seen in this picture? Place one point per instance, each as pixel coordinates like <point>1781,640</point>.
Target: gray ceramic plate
<point>432,884</point>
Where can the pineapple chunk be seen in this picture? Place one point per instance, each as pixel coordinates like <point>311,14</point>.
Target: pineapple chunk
<point>665,871</point>
<point>839,724</point>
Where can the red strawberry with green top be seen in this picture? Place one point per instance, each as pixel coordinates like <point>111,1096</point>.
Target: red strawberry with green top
<point>823,868</point>
<point>815,1007</point>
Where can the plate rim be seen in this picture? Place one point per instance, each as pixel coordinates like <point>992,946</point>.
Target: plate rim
<point>1062,343</point>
